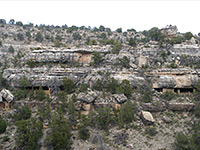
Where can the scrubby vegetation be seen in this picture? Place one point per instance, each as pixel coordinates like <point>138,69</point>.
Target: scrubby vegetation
<point>187,142</point>
<point>3,125</point>
<point>22,113</point>
<point>99,99</point>
<point>28,133</point>
<point>126,114</point>
<point>59,138</point>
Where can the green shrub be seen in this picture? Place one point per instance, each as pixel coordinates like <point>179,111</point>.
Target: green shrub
<point>126,88</point>
<point>169,95</point>
<point>44,112</point>
<point>59,137</point>
<point>68,85</point>
<point>87,42</point>
<point>197,91</point>
<point>19,23</point>
<point>71,107</point>
<point>112,85</point>
<point>119,30</point>
<point>124,62</point>
<point>2,81</point>
<point>3,125</point>
<point>28,133</point>
<point>126,114</point>
<point>62,96</point>
<point>28,35</point>
<point>31,63</point>
<point>20,36</point>
<point>58,37</point>
<point>57,43</point>
<point>40,95</point>
<point>190,140</point>
<point>146,92</point>
<point>177,40</point>
<point>103,36</point>
<point>21,94</point>
<point>11,49</point>
<point>188,35</point>
<point>97,58</point>
<point>151,131</point>
<point>132,42</point>
<point>98,85</point>
<point>92,42</point>
<point>84,133</point>
<point>182,142</point>
<point>154,34</point>
<point>117,46</point>
<point>83,87</point>
<point>39,37</point>
<point>101,28</point>
<point>73,114</point>
<point>197,111</point>
<point>104,118</point>
<point>1,44</point>
<point>22,113</point>
<point>173,65</point>
<point>5,139</point>
<point>24,82</point>
<point>77,36</point>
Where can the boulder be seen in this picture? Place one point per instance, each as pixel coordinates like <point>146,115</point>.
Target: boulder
<point>87,97</point>
<point>147,118</point>
<point>175,106</point>
<point>7,95</point>
<point>166,119</point>
<point>119,98</point>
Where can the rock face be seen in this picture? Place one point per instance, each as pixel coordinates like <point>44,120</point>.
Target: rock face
<point>142,61</point>
<point>119,98</point>
<point>180,106</point>
<point>61,56</point>
<point>174,78</point>
<point>147,118</point>
<point>154,107</point>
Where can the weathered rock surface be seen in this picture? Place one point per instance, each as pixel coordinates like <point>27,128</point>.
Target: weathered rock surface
<point>119,98</point>
<point>87,97</point>
<point>167,119</point>
<point>174,78</point>
<point>7,95</point>
<point>61,56</point>
<point>154,107</point>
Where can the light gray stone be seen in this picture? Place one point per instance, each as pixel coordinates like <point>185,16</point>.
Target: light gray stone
<point>147,118</point>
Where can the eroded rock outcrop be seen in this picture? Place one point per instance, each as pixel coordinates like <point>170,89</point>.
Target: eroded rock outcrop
<point>119,98</point>
<point>177,106</point>
<point>154,107</point>
<point>87,97</point>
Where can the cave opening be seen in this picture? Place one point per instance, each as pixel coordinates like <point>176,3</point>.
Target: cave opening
<point>158,89</point>
<point>184,90</point>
